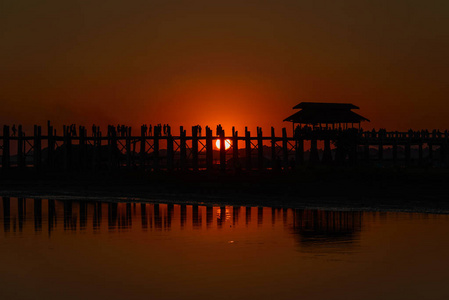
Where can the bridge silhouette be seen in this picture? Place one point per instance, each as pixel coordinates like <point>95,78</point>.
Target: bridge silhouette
<point>157,148</point>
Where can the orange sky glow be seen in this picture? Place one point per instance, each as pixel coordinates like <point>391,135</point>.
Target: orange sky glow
<point>230,63</point>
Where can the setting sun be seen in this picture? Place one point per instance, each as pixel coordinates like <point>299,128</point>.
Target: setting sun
<point>227,144</point>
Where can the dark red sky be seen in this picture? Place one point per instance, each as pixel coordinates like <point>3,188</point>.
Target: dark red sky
<point>231,62</point>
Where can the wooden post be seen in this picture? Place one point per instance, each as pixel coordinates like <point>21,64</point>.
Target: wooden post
<point>98,153</point>
<point>37,147</point>
<point>20,149</point>
<point>157,134</point>
<point>128,148</point>
<point>143,142</point>
<point>51,146</point>
<point>235,149</point>
<point>209,149</point>
<point>259,148</point>
<point>95,150</point>
<point>430,146</point>
<point>82,149</point>
<point>273,149</point>
<point>6,159</point>
<point>110,129</point>
<point>100,147</point>
<point>170,153</point>
<point>222,150</point>
<point>248,148</point>
<point>183,150</point>
<point>113,150</point>
<point>284,148</point>
<point>195,148</point>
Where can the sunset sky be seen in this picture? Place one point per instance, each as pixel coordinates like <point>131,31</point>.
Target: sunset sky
<point>242,63</point>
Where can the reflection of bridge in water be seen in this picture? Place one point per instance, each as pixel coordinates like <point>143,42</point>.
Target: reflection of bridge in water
<point>316,228</point>
<point>311,226</point>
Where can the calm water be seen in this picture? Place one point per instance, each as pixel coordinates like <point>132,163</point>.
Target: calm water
<point>52,249</point>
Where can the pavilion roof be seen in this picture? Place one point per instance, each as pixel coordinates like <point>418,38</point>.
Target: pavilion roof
<point>315,113</point>
<point>325,106</point>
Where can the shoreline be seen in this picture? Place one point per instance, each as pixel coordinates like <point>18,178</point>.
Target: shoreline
<point>404,190</point>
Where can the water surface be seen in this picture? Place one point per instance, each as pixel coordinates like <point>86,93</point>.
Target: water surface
<point>52,249</point>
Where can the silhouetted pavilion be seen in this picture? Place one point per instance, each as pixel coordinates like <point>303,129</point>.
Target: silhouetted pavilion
<point>327,114</point>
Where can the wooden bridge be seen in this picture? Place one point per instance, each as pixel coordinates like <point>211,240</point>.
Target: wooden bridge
<point>157,149</point>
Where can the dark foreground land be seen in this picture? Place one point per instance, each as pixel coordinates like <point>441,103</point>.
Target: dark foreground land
<point>348,188</point>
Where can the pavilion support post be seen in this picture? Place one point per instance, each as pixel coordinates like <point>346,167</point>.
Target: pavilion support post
<point>143,141</point>
<point>299,153</point>
<point>314,157</point>
<point>20,149</point>
<point>195,148</point>
<point>259,148</point>
<point>183,150</point>
<point>273,148</point>
<point>366,151</point>
<point>209,149</point>
<point>128,148</point>
<point>354,152</point>
<point>6,159</point>
<point>235,149</point>
<point>284,148</point>
<point>222,150</point>
<point>248,148</point>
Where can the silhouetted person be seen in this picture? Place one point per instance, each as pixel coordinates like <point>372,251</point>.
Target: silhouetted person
<point>219,129</point>
<point>14,130</point>
<point>145,129</point>
<point>73,129</point>
<point>150,130</point>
